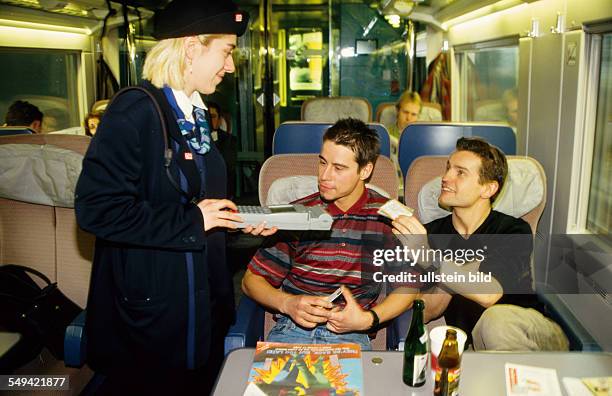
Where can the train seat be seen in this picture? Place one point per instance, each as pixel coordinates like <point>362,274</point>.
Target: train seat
<point>99,106</point>
<point>38,227</point>
<point>526,177</point>
<point>283,172</point>
<point>77,130</point>
<point>15,130</point>
<point>523,191</point>
<point>440,139</point>
<point>333,109</point>
<point>291,165</point>
<point>306,137</point>
<point>291,188</point>
<point>386,113</point>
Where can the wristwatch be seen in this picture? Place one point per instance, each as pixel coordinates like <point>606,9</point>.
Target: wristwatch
<point>375,321</point>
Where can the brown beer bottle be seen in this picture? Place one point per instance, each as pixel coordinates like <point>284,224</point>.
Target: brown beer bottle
<point>447,380</point>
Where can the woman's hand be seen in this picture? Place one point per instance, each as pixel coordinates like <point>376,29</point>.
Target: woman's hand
<point>219,213</point>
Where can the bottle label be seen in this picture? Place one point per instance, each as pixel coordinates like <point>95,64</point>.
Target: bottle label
<point>418,369</point>
<point>453,381</point>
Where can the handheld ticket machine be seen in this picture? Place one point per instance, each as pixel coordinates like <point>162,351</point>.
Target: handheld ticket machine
<point>286,217</point>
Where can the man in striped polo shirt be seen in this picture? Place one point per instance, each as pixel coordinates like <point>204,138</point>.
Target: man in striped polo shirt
<point>293,273</point>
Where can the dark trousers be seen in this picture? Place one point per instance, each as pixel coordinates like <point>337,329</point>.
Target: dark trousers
<point>135,382</point>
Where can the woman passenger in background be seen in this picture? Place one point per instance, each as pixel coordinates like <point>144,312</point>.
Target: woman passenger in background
<point>161,296</point>
<point>92,120</point>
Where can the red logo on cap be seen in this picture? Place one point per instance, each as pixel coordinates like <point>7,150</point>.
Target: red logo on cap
<point>238,17</point>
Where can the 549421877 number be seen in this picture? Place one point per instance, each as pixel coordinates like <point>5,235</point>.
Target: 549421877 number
<point>34,382</point>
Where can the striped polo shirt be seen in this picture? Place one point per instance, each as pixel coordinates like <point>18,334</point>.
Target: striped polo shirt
<point>317,263</point>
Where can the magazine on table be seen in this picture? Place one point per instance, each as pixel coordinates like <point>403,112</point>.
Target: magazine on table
<point>306,369</point>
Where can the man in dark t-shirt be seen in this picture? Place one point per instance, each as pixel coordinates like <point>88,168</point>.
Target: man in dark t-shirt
<point>504,313</point>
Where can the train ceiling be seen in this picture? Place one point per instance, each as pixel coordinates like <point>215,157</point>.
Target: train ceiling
<point>97,8</point>
<point>89,13</point>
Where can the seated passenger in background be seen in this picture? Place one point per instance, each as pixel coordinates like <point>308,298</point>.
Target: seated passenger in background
<point>508,318</point>
<point>227,145</point>
<point>292,274</point>
<point>91,123</point>
<point>25,114</point>
<point>408,108</point>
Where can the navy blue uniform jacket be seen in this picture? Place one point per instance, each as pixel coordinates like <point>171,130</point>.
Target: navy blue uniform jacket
<point>149,304</point>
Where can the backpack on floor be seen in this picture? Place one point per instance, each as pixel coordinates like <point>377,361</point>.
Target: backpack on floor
<point>40,315</point>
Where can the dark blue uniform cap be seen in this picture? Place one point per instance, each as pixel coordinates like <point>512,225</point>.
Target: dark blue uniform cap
<point>181,18</point>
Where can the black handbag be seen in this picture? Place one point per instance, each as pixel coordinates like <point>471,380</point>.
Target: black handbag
<point>39,314</point>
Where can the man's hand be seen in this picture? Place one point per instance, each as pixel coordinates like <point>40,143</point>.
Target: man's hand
<point>351,318</point>
<point>260,230</point>
<point>216,214</point>
<point>412,234</point>
<point>408,225</point>
<point>306,311</point>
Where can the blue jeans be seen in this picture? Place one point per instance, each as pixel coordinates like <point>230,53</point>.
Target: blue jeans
<point>286,330</point>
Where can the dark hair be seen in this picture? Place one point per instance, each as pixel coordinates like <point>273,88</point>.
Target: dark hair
<point>22,113</point>
<point>493,167</point>
<point>214,105</point>
<point>357,136</point>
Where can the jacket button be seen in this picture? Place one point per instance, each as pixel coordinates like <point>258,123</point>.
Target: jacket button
<point>192,239</point>
<point>185,239</point>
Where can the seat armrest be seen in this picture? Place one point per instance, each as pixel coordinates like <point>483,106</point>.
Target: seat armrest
<point>75,342</point>
<point>248,328</point>
<point>578,336</point>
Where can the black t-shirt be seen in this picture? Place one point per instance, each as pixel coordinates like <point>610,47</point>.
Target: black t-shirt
<point>508,244</point>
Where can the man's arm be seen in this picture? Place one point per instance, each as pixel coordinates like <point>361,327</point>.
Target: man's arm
<point>307,311</point>
<point>436,300</point>
<point>488,293</point>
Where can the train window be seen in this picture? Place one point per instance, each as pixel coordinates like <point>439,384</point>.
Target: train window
<point>599,215</point>
<point>45,78</point>
<point>305,57</point>
<point>489,79</point>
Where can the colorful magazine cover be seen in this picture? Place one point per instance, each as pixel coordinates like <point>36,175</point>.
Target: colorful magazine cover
<point>306,369</point>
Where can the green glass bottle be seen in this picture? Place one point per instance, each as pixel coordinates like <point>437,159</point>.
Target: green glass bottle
<point>416,349</point>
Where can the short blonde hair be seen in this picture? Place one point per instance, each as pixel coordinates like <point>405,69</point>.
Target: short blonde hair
<point>165,62</point>
<point>410,97</point>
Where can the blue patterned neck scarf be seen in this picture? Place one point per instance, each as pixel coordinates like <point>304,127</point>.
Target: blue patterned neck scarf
<point>198,135</point>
